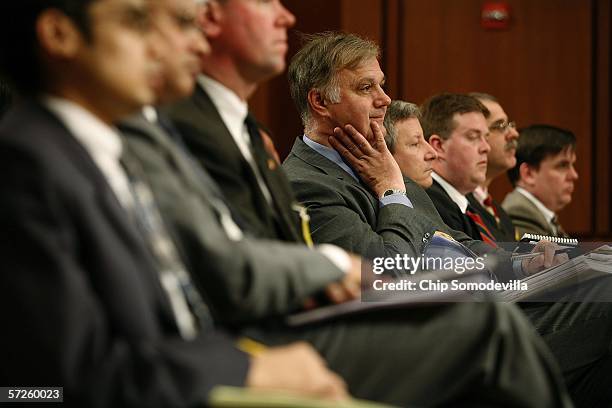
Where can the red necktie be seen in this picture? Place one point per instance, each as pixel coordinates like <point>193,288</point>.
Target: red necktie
<point>485,234</point>
<point>488,205</point>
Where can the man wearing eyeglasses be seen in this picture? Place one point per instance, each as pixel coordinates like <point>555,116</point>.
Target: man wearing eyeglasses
<point>503,139</point>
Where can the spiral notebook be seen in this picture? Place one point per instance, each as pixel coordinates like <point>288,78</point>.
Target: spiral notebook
<point>533,238</point>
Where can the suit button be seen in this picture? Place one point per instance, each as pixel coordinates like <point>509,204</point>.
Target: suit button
<point>427,235</point>
<point>425,240</point>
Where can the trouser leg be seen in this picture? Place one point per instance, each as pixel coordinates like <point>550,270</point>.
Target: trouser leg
<point>464,353</point>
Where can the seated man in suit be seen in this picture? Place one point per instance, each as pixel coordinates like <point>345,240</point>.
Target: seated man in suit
<point>248,45</point>
<point>543,178</point>
<point>456,127</point>
<point>220,255</point>
<point>91,303</point>
<point>503,138</point>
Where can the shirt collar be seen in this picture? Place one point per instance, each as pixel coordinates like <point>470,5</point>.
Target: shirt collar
<point>330,154</point>
<point>232,109</point>
<point>97,137</point>
<point>480,194</point>
<point>455,195</point>
<point>548,215</point>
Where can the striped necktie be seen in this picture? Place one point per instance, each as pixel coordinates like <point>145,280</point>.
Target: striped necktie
<point>190,310</point>
<point>485,234</point>
<point>490,207</point>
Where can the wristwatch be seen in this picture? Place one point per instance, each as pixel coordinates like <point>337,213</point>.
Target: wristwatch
<point>393,191</point>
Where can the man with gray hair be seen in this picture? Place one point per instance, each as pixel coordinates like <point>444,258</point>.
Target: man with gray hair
<point>405,141</point>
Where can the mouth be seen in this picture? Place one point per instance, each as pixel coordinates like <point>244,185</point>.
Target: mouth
<point>378,118</point>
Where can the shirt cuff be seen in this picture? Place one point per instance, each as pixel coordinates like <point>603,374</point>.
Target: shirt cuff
<point>517,268</point>
<point>336,255</point>
<point>399,198</point>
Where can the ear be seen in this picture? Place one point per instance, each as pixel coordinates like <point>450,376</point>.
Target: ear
<point>317,103</point>
<point>209,18</point>
<point>438,145</point>
<point>57,34</point>
<point>527,174</point>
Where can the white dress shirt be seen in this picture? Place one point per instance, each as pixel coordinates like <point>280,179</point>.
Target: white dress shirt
<point>234,111</point>
<point>480,194</point>
<point>101,141</point>
<point>455,195</point>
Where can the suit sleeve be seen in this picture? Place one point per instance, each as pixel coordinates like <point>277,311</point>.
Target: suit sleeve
<point>65,325</point>
<point>243,280</point>
<point>345,215</point>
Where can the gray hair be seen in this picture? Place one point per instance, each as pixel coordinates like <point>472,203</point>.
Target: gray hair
<point>317,63</point>
<point>398,111</point>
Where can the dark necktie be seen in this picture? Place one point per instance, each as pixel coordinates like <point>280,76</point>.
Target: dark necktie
<point>485,234</point>
<point>284,205</point>
<point>559,231</point>
<point>189,308</point>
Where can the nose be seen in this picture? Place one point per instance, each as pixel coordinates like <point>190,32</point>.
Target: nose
<point>382,99</point>
<point>430,153</point>
<point>155,45</point>
<point>287,19</point>
<point>485,147</point>
<point>573,173</point>
<point>199,44</point>
<point>512,134</point>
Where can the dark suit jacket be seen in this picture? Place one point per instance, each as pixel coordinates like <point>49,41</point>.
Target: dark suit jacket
<point>450,212</point>
<point>502,232</point>
<point>81,294</point>
<point>344,212</point>
<point>245,280</point>
<point>211,143</point>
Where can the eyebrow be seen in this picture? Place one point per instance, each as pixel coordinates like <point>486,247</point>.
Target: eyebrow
<point>369,80</point>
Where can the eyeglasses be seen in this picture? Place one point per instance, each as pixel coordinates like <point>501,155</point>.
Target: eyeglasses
<point>502,127</point>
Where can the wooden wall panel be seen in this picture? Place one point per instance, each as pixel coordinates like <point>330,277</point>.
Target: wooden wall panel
<point>540,69</point>
<point>602,181</point>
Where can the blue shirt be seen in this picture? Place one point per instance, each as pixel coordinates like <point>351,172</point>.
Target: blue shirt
<point>335,157</point>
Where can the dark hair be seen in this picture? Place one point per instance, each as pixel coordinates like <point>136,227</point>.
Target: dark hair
<point>438,111</point>
<point>19,48</point>
<point>481,96</point>
<point>538,142</point>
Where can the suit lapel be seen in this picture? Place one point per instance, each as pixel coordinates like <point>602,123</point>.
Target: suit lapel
<point>109,205</point>
<point>532,212</point>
